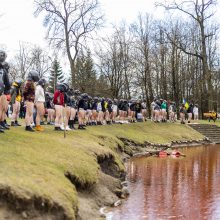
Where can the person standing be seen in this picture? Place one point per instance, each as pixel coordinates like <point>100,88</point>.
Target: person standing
<point>29,98</point>
<point>190,112</point>
<point>50,108</point>
<point>164,111</point>
<point>39,103</point>
<point>182,112</point>
<point>82,107</point>
<point>196,112</point>
<point>15,101</point>
<point>58,101</point>
<point>4,90</point>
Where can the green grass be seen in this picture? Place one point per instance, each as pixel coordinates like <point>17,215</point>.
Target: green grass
<point>33,165</point>
<point>211,122</point>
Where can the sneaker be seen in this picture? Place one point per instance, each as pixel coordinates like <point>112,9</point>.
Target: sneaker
<point>57,129</point>
<point>39,128</point>
<point>13,124</point>
<point>81,127</point>
<point>29,128</point>
<point>17,124</point>
<point>4,126</point>
<point>67,128</point>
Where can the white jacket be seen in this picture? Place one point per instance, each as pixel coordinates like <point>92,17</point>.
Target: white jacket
<point>195,111</point>
<point>39,94</point>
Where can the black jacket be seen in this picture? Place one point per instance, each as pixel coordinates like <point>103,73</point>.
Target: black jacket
<point>4,79</point>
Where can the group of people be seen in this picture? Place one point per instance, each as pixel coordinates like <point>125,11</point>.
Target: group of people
<point>66,106</point>
<point>163,111</point>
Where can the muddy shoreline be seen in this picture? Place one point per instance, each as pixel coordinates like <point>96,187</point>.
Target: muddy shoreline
<point>109,191</point>
<point>112,187</point>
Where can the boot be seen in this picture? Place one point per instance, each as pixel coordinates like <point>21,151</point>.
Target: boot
<point>39,128</point>
<point>81,127</point>
<point>17,124</point>
<point>1,129</point>
<point>57,129</point>
<point>29,128</point>
<point>4,126</point>
<point>13,124</point>
<point>72,125</point>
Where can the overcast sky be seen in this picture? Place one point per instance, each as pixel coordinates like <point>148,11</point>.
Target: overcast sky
<point>17,22</point>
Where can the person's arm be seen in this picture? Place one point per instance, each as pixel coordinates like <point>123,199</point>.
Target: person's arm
<point>55,97</point>
<point>13,95</point>
<point>41,93</point>
<point>7,83</point>
<point>25,91</point>
<point>37,94</point>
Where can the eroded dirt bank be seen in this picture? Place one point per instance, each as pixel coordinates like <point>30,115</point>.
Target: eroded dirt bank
<point>73,178</point>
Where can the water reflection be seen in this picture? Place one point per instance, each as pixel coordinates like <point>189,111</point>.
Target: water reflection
<point>174,188</point>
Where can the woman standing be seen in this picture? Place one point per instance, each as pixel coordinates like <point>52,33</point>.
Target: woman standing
<point>164,111</point>
<point>29,97</point>
<point>82,107</point>
<point>58,101</point>
<point>39,103</point>
<point>196,112</point>
<point>190,112</point>
<point>50,108</point>
<point>182,114</point>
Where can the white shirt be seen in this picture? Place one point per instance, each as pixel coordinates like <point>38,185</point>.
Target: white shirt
<point>195,111</point>
<point>39,94</point>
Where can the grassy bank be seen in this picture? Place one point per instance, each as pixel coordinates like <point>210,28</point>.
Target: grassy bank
<point>211,122</point>
<point>44,170</point>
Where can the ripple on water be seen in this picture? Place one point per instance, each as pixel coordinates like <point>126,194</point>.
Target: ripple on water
<point>168,188</point>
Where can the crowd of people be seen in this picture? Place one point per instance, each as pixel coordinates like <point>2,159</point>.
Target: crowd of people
<point>67,107</point>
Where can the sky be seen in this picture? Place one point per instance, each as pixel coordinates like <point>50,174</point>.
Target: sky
<point>18,23</point>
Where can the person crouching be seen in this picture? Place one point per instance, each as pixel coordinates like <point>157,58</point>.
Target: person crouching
<point>16,101</point>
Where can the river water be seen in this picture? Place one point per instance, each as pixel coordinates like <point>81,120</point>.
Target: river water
<point>174,188</point>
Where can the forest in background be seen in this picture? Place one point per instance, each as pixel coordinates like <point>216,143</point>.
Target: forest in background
<point>173,58</point>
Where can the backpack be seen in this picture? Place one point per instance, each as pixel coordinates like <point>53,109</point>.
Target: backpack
<point>2,85</point>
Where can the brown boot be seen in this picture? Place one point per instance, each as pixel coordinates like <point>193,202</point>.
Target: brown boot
<point>39,128</point>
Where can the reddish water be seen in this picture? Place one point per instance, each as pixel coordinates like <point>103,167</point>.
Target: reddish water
<point>174,188</point>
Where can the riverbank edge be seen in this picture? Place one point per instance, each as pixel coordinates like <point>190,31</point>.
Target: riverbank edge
<point>108,149</point>
<point>131,150</point>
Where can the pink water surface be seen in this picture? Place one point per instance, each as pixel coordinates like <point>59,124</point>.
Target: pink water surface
<point>174,188</point>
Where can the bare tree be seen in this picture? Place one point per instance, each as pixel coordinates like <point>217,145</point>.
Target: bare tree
<point>23,59</point>
<point>114,62</point>
<point>30,57</point>
<point>69,23</point>
<point>142,55</point>
<point>200,12</point>
<point>40,61</point>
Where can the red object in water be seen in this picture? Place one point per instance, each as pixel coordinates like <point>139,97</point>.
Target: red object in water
<point>163,154</point>
<point>176,153</point>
